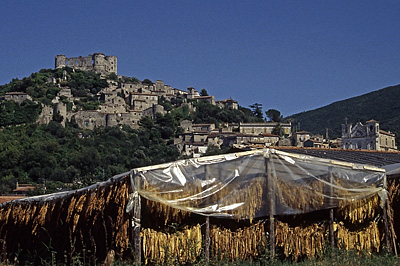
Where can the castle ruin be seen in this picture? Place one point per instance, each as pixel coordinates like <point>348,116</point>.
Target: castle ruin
<point>97,62</point>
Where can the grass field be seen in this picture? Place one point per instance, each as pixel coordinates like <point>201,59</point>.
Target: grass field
<point>330,258</point>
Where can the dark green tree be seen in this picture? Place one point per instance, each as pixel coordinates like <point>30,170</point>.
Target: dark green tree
<point>256,108</point>
<point>147,82</point>
<point>274,115</point>
<point>203,92</point>
<point>112,76</point>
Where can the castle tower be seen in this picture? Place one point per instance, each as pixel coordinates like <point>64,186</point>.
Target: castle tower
<point>98,63</point>
<point>61,109</point>
<point>60,61</point>
<point>112,61</point>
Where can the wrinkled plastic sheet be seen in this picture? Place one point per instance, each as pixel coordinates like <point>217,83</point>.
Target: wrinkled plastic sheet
<point>258,183</point>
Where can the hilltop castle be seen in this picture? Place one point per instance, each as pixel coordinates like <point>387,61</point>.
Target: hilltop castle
<point>97,62</point>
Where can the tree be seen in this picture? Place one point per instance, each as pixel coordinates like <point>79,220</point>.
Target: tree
<point>203,92</point>
<point>257,110</point>
<point>274,115</point>
<point>277,130</point>
<point>112,76</point>
<point>165,103</point>
<point>148,82</point>
<point>213,150</point>
<point>146,122</point>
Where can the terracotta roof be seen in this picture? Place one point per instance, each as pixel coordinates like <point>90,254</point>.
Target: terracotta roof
<point>386,133</point>
<point>265,124</point>
<point>268,135</point>
<point>302,132</point>
<point>247,135</point>
<point>24,188</point>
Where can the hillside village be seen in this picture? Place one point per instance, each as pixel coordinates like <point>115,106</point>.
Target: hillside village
<point>126,101</point>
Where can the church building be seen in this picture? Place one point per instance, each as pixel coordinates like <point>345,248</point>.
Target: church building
<point>367,137</point>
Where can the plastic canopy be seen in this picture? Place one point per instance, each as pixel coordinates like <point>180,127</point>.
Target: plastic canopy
<point>258,183</point>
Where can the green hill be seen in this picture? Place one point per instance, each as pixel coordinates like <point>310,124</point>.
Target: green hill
<point>59,156</point>
<point>382,105</point>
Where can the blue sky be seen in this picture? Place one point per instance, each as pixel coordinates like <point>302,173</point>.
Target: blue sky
<point>293,56</point>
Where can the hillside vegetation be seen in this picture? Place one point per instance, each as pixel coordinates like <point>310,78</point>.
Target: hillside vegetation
<point>58,157</point>
<point>382,105</point>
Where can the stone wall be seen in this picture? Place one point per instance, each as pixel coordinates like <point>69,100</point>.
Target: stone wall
<point>97,62</point>
<point>18,97</point>
<point>46,115</point>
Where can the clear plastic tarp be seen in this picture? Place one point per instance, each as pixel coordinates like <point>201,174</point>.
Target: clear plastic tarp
<point>258,183</point>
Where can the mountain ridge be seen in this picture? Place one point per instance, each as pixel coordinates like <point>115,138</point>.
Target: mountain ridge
<point>382,105</point>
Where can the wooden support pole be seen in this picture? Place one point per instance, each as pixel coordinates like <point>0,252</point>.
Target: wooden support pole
<point>386,224</point>
<point>331,215</point>
<point>331,230</point>
<point>272,236</point>
<point>385,219</point>
<point>136,230</point>
<point>393,233</point>
<point>271,200</point>
<point>207,241</point>
<point>135,207</point>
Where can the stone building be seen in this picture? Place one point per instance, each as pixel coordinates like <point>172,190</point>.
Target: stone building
<point>142,101</point>
<point>153,110</point>
<point>228,103</point>
<point>65,92</point>
<point>264,128</point>
<point>97,62</point>
<point>203,127</point>
<point>367,137</point>
<point>264,140</point>
<point>90,119</point>
<point>299,137</point>
<point>18,97</point>
<point>192,93</point>
<point>128,87</point>
<point>112,103</point>
<point>161,89</point>
<point>209,99</point>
